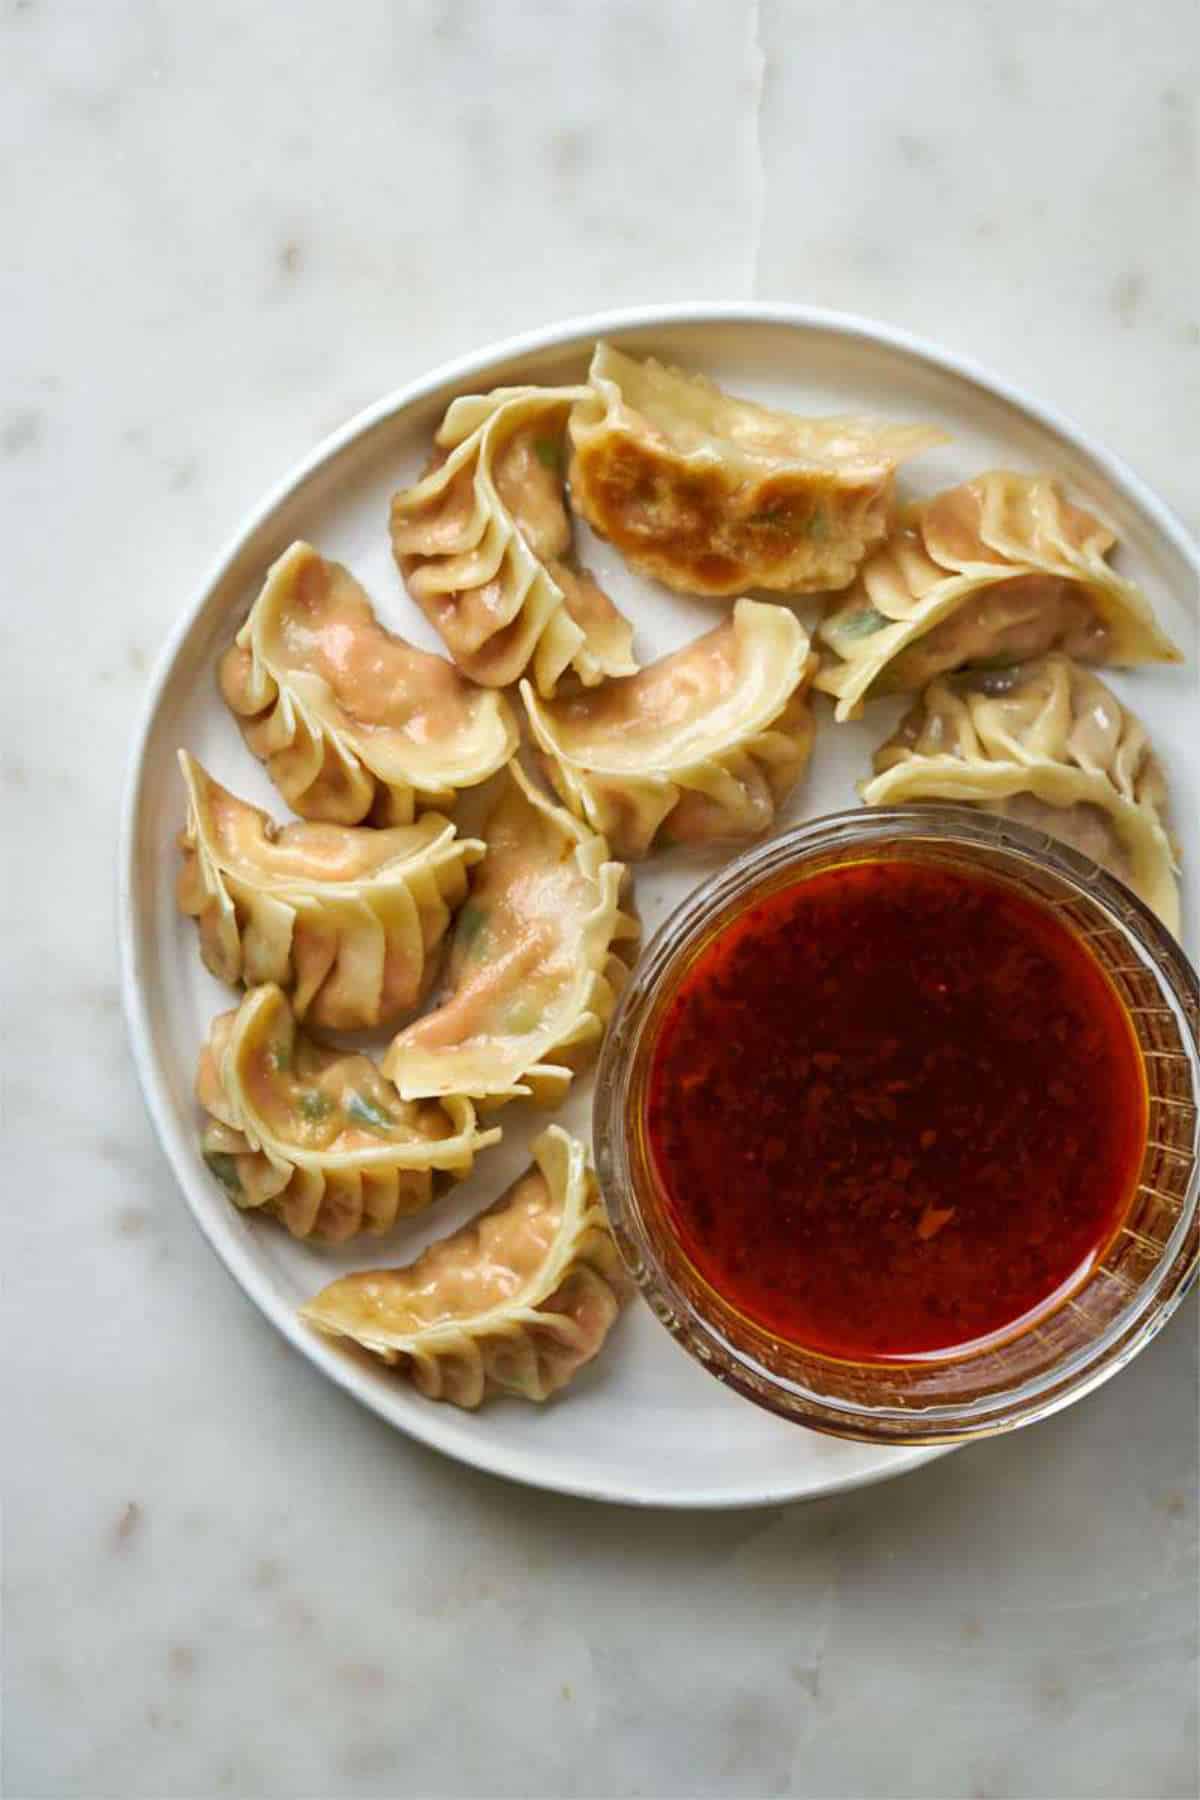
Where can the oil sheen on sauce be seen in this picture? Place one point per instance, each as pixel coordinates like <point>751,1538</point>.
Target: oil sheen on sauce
<point>894,1109</point>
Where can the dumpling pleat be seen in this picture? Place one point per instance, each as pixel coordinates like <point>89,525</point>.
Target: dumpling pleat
<point>952,566</point>
<point>514,1303</point>
<point>1046,743</point>
<point>486,574</point>
<point>526,987</point>
<point>314,953</point>
<point>299,1201</point>
<point>673,751</point>
<point>354,981</point>
<point>355,950</point>
<point>341,1213</point>
<point>331,1150</point>
<point>220,940</point>
<point>351,720</point>
<point>717,495</point>
<point>266,942</point>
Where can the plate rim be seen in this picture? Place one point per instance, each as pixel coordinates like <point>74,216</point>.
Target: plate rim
<point>494,1458</point>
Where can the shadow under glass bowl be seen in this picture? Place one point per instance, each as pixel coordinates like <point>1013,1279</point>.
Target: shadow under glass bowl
<point>1125,1298</point>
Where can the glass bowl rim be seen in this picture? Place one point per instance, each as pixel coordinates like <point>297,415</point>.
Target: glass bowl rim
<point>1065,1380</point>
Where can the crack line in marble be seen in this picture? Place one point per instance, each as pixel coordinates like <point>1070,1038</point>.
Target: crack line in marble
<point>756,65</point>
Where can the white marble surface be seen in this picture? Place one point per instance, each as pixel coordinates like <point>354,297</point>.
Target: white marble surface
<point>229,227</point>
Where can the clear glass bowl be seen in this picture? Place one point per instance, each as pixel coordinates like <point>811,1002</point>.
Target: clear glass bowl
<point>1127,1297</point>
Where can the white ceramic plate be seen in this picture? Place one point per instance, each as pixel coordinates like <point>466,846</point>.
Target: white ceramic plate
<point>643,1424</point>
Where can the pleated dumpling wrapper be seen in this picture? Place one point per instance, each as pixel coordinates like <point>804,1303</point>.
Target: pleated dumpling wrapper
<point>1049,745</point>
<point>345,919</point>
<point>317,1137</point>
<point>988,574</point>
<point>349,719</point>
<point>514,1303</point>
<point>713,495</point>
<point>536,961</point>
<point>698,747</point>
<point>484,543</point>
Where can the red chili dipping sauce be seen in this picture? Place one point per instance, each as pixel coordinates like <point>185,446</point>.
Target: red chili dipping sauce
<point>893,1109</point>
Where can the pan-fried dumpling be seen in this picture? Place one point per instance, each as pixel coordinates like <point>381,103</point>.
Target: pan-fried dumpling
<point>349,719</point>
<point>988,574</point>
<point>514,1303</point>
<point>714,495</point>
<point>534,962</point>
<point>1047,744</point>
<point>484,543</point>
<point>698,747</point>
<point>344,918</point>
<point>317,1137</point>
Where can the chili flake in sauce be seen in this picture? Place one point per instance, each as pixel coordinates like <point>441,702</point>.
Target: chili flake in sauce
<point>893,1109</point>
